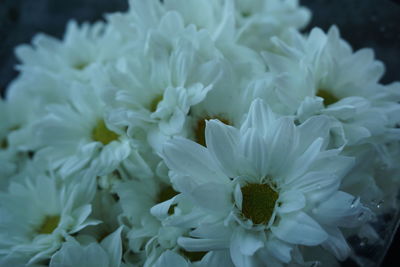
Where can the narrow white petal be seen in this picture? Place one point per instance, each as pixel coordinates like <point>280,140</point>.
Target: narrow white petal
<point>291,201</point>
<point>214,197</point>
<point>170,258</point>
<point>280,250</point>
<point>193,244</point>
<point>113,245</point>
<point>260,117</point>
<point>222,142</point>
<point>300,229</point>
<point>336,243</point>
<point>249,242</point>
<point>255,151</point>
<point>188,158</point>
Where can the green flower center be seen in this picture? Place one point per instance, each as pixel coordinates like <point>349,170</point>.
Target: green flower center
<point>50,223</point>
<point>328,97</point>
<point>200,129</point>
<point>258,202</point>
<point>102,134</point>
<point>165,194</point>
<point>154,103</point>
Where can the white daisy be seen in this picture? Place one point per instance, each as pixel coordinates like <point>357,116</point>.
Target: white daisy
<point>147,236</point>
<point>320,74</point>
<point>107,253</point>
<point>160,81</point>
<point>78,134</point>
<point>263,19</point>
<point>71,58</point>
<point>264,190</point>
<point>56,209</point>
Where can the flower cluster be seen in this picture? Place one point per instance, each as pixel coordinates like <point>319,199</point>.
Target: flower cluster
<point>196,133</point>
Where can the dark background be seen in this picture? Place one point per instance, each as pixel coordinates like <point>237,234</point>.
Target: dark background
<point>363,23</point>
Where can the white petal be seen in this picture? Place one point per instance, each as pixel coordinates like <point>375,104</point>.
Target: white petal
<point>300,229</point>
<point>222,142</point>
<point>342,209</point>
<point>214,197</point>
<point>217,258</point>
<point>291,201</point>
<point>194,244</point>
<point>255,151</point>
<point>113,245</point>
<point>170,258</point>
<point>249,242</point>
<point>188,158</point>
<point>280,250</point>
<point>312,129</point>
<point>282,141</point>
<point>238,258</point>
<point>336,243</point>
<point>260,117</point>
<point>303,162</point>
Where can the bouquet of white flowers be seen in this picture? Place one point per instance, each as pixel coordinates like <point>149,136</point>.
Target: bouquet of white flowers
<point>196,133</point>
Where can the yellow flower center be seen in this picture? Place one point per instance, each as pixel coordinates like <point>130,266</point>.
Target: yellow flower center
<point>102,134</point>
<point>258,202</point>
<point>200,129</point>
<point>154,103</point>
<point>165,194</point>
<point>328,97</point>
<point>50,223</point>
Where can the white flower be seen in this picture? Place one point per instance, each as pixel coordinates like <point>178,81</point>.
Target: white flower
<point>106,254</point>
<point>320,74</point>
<point>164,77</point>
<point>259,20</point>
<point>56,209</point>
<point>147,235</point>
<point>11,159</point>
<point>73,57</point>
<point>265,189</point>
<point>78,134</point>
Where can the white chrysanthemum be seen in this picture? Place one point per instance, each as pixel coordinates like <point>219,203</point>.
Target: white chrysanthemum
<point>162,79</point>
<point>320,74</point>
<point>56,209</point>
<point>265,189</point>
<point>259,20</point>
<point>147,236</point>
<point>11,160</point>
<point>73,57</point>
<point>229,100</point>
<point>79,134</point>
<point>107,253</point>
<point>225,20</point>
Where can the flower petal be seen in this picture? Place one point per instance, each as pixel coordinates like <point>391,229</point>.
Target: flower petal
<point>300,229</point>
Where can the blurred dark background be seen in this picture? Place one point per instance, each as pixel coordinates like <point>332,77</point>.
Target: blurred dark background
<point>363,23</point>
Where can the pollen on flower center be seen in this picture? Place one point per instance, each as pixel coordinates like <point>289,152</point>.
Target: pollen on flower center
<point>50,223</point>
<point>154,102</point>
<point>102,134</point>
<point>200,128</point>
<point>328,97</point>
<point>258,202</point>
